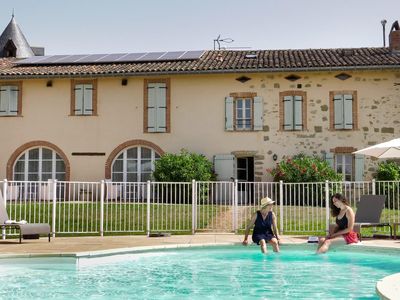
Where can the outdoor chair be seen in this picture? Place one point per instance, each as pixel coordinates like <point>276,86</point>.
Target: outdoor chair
<point>368,213</point>
<point>26,231</point>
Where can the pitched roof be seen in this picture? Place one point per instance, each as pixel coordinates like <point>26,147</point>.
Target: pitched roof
<point>221,61</point>
<point>14,33</point>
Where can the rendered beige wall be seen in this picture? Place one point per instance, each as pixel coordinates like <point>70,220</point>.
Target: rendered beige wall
<point>198,116</point>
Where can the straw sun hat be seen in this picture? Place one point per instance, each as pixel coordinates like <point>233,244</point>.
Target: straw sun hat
<point>264,202</point>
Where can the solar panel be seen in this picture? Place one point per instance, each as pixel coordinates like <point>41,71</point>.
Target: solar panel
<point>112,58</point>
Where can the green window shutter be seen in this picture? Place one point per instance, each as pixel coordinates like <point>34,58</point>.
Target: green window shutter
<point>4,100</point>
<point>229,113</point>
<point>348,111</point>
<point>224,166</point>
<point>329,159</point>
<point>288,113</point>
<point>338,111</point>
<point>87,99</point>
<point>258,113</point>
<point>79,99</point>
<point>161,107</point>
<point>13,100</point>
<point>359,167</point>
<point>298,112</point>
<point>151,107</point>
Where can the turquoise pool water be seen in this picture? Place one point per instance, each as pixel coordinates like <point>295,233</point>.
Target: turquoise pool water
<point>202,272</point>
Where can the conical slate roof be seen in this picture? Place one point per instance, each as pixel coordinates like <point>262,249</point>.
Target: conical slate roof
<point>14,33</point>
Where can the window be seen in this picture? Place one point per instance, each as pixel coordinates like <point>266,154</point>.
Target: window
<point>293,110</point>
<point>157,105</point>
<point>243,112</point>
<point>84,98</point>
<point>39,164</point>
<point>344,162</point>
<point>344,166</point>
<point>134,165</point>
<point>10,99</point>
<point>343,110</point>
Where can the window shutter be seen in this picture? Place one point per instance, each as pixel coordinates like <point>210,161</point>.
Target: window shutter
<point>229,113</point>
<point>359,167</point>
<point>348,111</point>
<point>298,112</point>
<point>161,107</point>
<point>258,113</point>
<point>78,99</point>
<point>288,113</point>
<point>87,99</point>
<point>13,98</point>
<point>151,107</point>
<point>4,100</point>
<point>224,166</point>
<point>338,107</point>
<point>329,159</point>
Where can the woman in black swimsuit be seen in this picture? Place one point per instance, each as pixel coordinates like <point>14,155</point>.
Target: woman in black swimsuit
<point>265,230</point>
<point>343,232</point>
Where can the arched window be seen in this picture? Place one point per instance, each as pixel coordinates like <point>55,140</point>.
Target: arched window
<point>134,165</point>
<point>39,164</point>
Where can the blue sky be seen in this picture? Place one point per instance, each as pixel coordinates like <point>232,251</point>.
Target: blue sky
<point>104,26</point>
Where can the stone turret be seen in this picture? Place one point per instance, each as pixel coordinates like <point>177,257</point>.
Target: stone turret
<point>13,42</point>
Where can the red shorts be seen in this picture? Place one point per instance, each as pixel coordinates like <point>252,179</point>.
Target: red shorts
<point>351,237</point>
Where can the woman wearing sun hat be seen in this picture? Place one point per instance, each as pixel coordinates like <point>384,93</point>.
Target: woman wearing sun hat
<point>265,230</point>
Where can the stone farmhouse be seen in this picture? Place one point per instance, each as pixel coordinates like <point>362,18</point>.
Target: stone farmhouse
<point>110,116</point>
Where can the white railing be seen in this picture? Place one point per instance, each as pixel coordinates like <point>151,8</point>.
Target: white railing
<point>135,207</point>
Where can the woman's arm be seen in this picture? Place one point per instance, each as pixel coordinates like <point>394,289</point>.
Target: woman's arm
<point>251,224</point>
<point>274,227</point>
<point>351,218</point>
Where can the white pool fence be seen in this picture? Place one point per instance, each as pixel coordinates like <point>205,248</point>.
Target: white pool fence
<point>135,207</point>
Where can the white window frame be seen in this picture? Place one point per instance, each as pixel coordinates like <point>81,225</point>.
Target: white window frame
<point>40,160</point>
<point>245,125</point>
<point>138,165</point>
<point>340,160</point>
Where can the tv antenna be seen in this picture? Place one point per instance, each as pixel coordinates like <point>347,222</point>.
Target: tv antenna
<point>218,42</point>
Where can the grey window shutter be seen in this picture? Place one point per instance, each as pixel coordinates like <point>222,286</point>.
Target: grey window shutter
<point>329,159</point>
<point>348,111</point>
<point>13,100</point>
<point>161,107</point>
<point>288,113</point>
<point>298,112</point>
<point>4,100</point>
<point>151,107</point>
<point>79,99</point>
<point>338,107</point>
<point>258,113</point>
<point>87,99</point>
<point>359,167</point>
<point>225,166</point>
<point>229,113</point>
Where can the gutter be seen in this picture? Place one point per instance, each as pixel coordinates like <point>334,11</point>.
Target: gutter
<point>201,72</point>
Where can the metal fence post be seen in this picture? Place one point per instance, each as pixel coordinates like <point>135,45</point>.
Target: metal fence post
<point>5,186</point>
<point>102,190</point>
<point>235,203</point>
<point>281,207</point>
<point>54,213</point>
<point>194,206</point>
<point>148,186</point>
<point>373,187</point>
<point>327,206</point>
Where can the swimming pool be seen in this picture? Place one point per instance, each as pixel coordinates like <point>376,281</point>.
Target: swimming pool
<point>203,272</point>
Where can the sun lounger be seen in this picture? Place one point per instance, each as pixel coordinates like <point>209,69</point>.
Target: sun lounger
<point>26,230</point>
<point>368,213</point>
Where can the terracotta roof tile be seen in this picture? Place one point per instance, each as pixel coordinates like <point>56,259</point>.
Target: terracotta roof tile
<point>219,61</point>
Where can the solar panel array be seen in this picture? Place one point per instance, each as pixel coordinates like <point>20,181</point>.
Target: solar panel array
<point>111,58</point>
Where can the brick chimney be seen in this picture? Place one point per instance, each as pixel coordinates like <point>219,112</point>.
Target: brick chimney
<point>394,37</point>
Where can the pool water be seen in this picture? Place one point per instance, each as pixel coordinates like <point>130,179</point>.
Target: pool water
<point>227,272</point>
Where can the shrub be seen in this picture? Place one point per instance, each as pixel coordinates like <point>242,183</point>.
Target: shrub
<point>388,171</point>
<point>183,167</point>
<point>302,168</point>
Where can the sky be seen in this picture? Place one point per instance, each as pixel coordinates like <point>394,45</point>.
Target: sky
<point>120,26</point>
